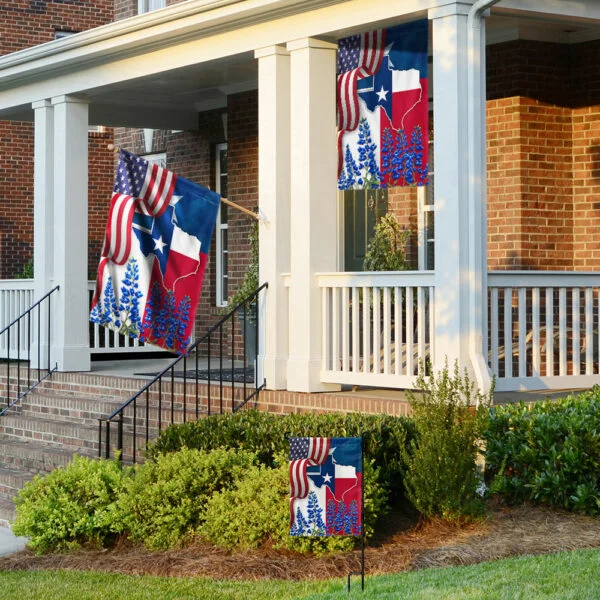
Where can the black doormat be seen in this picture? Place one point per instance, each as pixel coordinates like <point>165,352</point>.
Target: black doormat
<point>240,374</point>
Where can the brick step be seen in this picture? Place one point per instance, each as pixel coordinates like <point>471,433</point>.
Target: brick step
<point>33,457</point>
<point>11,481</point>
<point>7,511</point>
<point>54,433</point>
<point>60,408</point>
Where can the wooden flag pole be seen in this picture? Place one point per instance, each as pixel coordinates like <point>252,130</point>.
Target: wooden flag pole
<point>113,148</point>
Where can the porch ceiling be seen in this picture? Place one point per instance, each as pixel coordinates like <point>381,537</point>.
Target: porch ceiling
<point>160,70</point>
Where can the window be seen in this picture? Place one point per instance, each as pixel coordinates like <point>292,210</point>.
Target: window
<point>145,6</point>
<point>158,158</point>
<point>221,227</point>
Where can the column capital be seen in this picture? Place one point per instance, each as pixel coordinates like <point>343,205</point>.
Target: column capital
<point>271,51</point>
<point>449,9</point>
<point>303,43</point>
<point>41,104</point>
<point>68,100</point>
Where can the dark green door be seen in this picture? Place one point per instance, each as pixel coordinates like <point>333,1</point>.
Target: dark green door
<point>361,210</point>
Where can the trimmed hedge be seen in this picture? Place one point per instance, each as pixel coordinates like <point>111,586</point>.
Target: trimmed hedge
<point>548,452</point>
<point>266,435</point>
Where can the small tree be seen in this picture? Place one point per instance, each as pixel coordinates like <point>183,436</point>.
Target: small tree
<point>441,478</point>
<point>387,249</point>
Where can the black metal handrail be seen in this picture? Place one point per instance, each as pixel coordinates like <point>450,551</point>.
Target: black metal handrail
<point>166,403</point>
<point>12,362</point>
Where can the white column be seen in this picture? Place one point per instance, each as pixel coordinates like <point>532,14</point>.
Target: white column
<point>43,224</point>
<point>450,109</point>
<point>71,314</point>
<point>274,203</point>
<point>313,228</point>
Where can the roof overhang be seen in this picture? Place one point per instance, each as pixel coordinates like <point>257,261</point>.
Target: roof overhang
<point>161,68</point>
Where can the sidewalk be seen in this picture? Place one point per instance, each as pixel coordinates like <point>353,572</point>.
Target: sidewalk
<point>9,542</point>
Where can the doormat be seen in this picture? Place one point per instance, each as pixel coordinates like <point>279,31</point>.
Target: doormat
<point>240,374</point>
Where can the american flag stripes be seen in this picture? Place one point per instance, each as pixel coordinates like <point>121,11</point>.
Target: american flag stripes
<point>141,186</point>
<point>305,452</point>
<point>358,56</point>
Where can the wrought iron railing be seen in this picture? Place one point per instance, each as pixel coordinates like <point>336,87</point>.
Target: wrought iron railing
<point>224,377</point>
<point>31,329</point>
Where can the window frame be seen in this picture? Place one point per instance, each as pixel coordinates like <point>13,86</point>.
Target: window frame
<point>221,273</point>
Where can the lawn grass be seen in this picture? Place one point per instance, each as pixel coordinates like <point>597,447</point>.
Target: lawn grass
<point>568,575</point>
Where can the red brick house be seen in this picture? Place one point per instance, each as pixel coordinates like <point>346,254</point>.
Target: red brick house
<point>251,81</point>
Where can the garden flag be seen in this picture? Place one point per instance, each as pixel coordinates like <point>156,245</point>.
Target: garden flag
<point>325,486</point>
<point>154,256</point>
<point>383,108</point>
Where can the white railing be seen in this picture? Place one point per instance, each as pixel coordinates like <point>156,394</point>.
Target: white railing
<point>377,327</point>
<point>543,329</point>
<point>16,296</point>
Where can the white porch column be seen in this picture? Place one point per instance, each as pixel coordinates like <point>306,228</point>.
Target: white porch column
<point>274,203</point>
<point>450,109</point>
<point>71,314</point>
<point>313,226</point>
<point>43,222</point>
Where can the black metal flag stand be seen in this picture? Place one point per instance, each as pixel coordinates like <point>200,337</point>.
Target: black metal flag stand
<point>362,525</point>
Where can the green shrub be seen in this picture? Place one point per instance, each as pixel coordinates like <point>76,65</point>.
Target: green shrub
<point>164,503</point>
<point>267,435</point>
<point>256,512</point>
<point>70,506</point>
<point>548,452</point>
<point>442,478</point>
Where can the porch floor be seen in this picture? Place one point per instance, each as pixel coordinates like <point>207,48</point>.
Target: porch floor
<point>132,368</point>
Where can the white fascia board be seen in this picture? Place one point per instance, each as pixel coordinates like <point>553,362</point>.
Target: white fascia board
<point>156,29</point>
<point>583,10</point>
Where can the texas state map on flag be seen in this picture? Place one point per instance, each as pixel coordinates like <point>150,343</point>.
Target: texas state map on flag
<point>154,256</point>
<point>383,108</point>
<point>325,486</point>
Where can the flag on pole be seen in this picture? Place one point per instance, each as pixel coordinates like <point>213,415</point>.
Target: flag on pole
<point>383,108</point>
<point>154,255</point>
<point>325,486</point>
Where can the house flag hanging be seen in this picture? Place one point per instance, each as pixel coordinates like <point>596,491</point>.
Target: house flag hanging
<point>383,108</point>
<point>154,255</point>
<point>325,486</point>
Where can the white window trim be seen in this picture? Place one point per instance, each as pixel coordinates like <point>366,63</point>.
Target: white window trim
<point>145,6</point>
<point>157,158</point>
<point>220,300</point>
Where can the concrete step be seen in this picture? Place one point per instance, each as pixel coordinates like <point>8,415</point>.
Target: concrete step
<point>34,457</point>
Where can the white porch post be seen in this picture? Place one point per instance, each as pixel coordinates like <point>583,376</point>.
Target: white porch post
<point>71,308</point>
<point>450,107</point>
<point>274,203</point>
<point>43,221</point>
<point>313,204</point>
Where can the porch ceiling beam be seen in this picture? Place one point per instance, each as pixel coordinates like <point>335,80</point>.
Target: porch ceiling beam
<point>143,116</point>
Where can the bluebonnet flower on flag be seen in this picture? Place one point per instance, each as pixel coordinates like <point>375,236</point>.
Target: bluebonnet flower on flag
<point>383,113</point>
<point>154,255</point>
<point>325,486</point>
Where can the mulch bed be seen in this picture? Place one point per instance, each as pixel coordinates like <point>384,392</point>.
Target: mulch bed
<point>411,546</point>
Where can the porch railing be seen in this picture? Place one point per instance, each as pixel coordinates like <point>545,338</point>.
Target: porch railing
<point>377,327</point>
<point>227,380</point>
<point>26,340</point>
<point>543,329</point>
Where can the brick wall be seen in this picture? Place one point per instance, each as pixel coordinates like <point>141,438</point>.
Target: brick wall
<point>24,24</point>
<point>543,138</point>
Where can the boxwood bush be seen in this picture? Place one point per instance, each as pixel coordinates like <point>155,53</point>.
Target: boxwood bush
<point>548,452</point>
<point>267,435</point>
<point>71,506</point>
